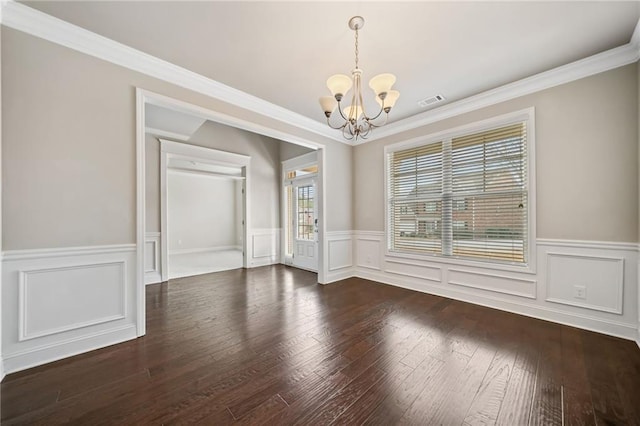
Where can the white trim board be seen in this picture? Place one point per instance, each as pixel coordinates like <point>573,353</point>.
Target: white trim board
<point>31,21</point>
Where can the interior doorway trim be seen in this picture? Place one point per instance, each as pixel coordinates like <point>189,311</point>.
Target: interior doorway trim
<point>144,97</point>
<point>183,151</point>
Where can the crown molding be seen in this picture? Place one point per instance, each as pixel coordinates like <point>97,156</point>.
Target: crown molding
<point>601,62</point>
<point>42,25</point>
<point>39,24</point>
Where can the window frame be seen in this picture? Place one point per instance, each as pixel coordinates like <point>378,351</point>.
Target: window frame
<point>526,115</point>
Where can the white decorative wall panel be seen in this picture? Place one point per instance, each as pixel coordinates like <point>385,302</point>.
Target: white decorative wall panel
<point>493,282</point>
<point>368,253</point>
<point>340,253</point>
<point>150,257</point>
<point>61,299</point>
<point>64,301</point>
<point>600,278</point>
<point>414,270</point>
<point>152,270</point>
<point>265,247</point>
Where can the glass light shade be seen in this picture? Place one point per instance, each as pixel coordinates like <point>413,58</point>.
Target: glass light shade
<point>328,103</point>
<point>382,83</point>
<point>390,99</point>
<point>339,84</point>
<point>356,110</point>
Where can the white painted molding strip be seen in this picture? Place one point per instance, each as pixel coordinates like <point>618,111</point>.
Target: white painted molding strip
<point>34,22</point>
<point>11,255</point>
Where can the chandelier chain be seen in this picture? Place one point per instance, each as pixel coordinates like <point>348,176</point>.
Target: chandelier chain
<point>357,46</point>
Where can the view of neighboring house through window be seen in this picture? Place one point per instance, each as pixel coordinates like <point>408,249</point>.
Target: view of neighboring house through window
<point>463,196</point>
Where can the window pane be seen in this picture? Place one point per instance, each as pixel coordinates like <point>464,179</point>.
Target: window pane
<point>305,229</point>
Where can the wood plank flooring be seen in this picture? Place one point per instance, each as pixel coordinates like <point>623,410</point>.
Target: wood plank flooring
<point>270,346</point>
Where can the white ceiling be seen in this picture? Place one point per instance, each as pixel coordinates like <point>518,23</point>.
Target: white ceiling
<point>283,52</point>
<point>169,123</point>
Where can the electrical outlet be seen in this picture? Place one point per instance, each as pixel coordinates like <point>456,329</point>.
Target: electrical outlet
<point>579,292</point>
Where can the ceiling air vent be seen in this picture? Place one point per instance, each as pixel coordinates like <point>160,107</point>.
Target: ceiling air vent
<point>430,101</point>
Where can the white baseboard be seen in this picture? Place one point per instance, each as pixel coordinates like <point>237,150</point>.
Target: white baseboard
<point>2,373</point>
<point>44,354</point>
<point>152,278</point>
<point>335,276</point>
<point>264,261</point>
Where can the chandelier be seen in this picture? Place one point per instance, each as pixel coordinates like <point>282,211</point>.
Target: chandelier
<point>355,123</point>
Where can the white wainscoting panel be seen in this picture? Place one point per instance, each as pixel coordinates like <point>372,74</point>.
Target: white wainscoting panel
<point>152,270</point>
<point>607,270</point>
<point>368,251</point>
<point>601,279</point>
<point>413,269</point>
<point>493,282</point>
<point>61,302</point>
<point>265,247</point>
<point>340,255</point>
<point>100,286</point>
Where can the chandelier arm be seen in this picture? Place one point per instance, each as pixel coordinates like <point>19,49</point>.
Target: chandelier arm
<point>348,136</point>
<point>341,113</point>
<point>337,127</point>
<point>378,114</point>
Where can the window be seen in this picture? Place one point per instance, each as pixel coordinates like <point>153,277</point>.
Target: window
<point>463,196</point>
<point>305,212</point>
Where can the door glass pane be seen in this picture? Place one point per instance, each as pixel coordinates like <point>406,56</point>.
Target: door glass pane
<point>305,212</point>
<point>290,215</point>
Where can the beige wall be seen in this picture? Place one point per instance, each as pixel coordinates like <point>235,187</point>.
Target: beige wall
<point>264,183</point>
<point>586,154</point>
<point>289,151</point>
<point>69,146</point>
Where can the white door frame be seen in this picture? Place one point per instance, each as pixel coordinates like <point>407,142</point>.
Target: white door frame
<point>144,97</point>
<point>184,151</point>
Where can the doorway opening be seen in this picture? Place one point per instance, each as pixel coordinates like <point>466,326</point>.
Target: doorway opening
<point>203,196</point>
<point>300,209</point>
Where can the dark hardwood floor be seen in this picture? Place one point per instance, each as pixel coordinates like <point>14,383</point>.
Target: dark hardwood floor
<point>270,346</point>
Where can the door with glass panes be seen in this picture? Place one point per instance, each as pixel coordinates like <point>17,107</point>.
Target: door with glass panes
<point>303,224</point>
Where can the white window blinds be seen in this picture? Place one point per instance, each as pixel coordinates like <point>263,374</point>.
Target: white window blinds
<point>464,196</point>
